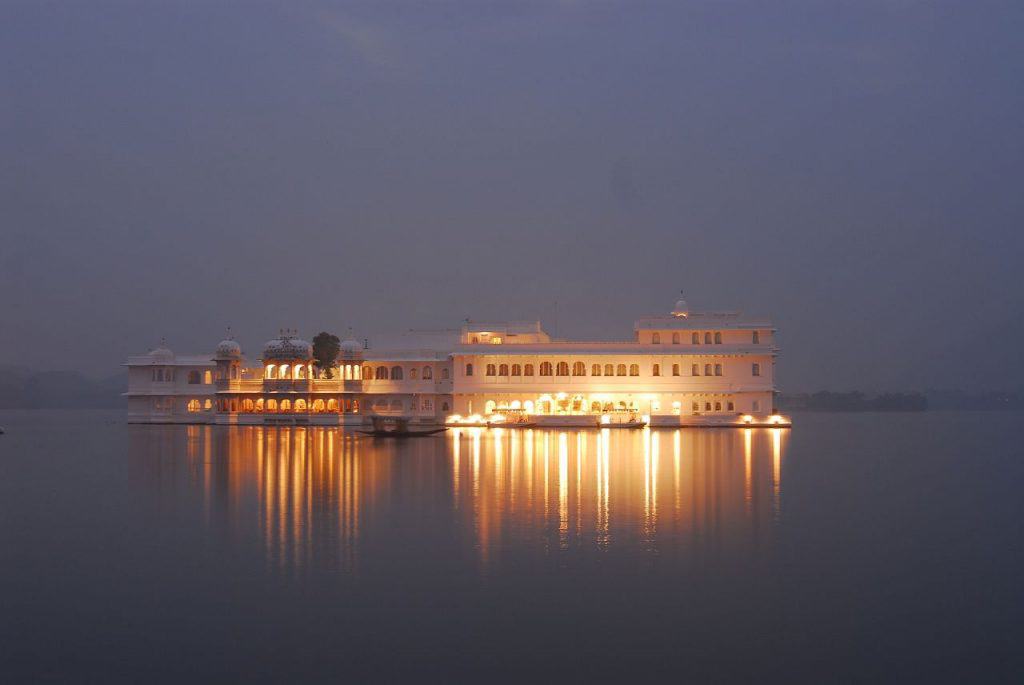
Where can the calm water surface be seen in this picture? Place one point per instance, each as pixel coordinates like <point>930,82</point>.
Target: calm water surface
<point>855,547</point>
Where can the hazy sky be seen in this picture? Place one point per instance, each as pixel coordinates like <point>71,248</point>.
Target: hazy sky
<point>853,170</point>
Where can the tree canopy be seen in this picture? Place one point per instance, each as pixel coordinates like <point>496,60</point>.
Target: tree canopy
<point>325,352</point>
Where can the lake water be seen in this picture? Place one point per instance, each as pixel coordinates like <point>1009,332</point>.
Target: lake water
<point>854,547</point>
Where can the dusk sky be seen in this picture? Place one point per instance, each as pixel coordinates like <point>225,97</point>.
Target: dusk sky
<point>852,170</point>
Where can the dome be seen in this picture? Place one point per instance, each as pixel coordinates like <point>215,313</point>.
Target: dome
<point>287,347</point>
<point>681,308</point>
<point>161,353</point>
<point>228,349</point>
<point>350,348</point>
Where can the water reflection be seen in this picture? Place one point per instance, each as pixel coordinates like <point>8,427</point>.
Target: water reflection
<point>323,498</point>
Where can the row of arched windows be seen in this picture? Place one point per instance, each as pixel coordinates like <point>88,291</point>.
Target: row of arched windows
<point>287,372</point>
<point>580,369</point>
<point>195,377</point>
<point>709,338</point>
<point>273,406</point>
<point>397,373</point>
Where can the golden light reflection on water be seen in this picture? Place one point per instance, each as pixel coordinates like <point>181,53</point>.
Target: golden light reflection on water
<point>314,496</point>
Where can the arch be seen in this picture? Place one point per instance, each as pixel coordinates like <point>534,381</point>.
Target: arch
<point>656,370</point>
<point>248,405</point>
<point>656,338</point>
<point>675,338</point>
<point>414,373</point>
<point>300,405</point>
<point>609,370</point>
<point>444,406</point>
<point>579,369</point>
<point>469,369</point>
<point>755,337</point>
<point>517,370</point>
<point>490,370</point>
<point>445,374</point>
<point>729,406</point>
<point>286,405</point>
<point>367,372</point>
<point>595,407</point>
<point>193,406</point>
<point>675,369</point>
<point>318,406</point>
<point>718,337</point>
<point>694,369</point>
<point>527,369</point>
<point>708,371</point>
<point>695,338</point>
<point>515,404</point>
<point>258,408</point>
<point>718,369</point>
<point>695,407</point>
<point>284,371</point>
<point>528,406</point>
<point>595,370</point>
<point>562,369</point>
<point>332,404</point>
<point>707,338</point>
<point>502,369</point>
<point>545,368</point>
<point>207,405</point>
<point>634,369</point>
<point>357,372</point>
<point>428,373</point>
<point>234,404</point>
<point>194,378</point>
<point>707,406</point>
<point>489,407</point>
<point>271,405</point>
<point>381,373</point>
<point>396,373</point>
<point>608,406</point>
<point>620,370</point>
<point>718,406</point>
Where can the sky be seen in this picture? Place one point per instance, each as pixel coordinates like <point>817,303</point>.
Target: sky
<point>851,170</point>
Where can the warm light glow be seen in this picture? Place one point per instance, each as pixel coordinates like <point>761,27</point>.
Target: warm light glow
<point>605,418</point>
<point>747,418</point>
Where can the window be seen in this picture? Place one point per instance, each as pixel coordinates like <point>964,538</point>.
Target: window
<point>730,406</point>
<point>675,369</point>
<point>757,405</point>
<point>503,370</point>
<point>489,370</point>
<point>496,340</point>
<point>755,369</point>
<point>474,340</point>
<point>444,406</point>
<point>193,405</point>
<point>469,369</point>
<point>517,370</point>
<point>207,378</point>
<point>381,373</point>
<point>634,369</point>
<point>707,338</point>
<point>286,405</point>
<point>271,405</point>
<point>579,369</point>
<point>428,373</point>
<point>193,379</point>
<point>707,406</point>
<point>695,407</point>
<point>300,405</point>
<point>708,370</point>
<point>656,338</point>
<point>444,373</point>
<point>595,370</point>
<point>718,338</point>
<point>656,370</point>
<point>396,373</point>
<point>413,373</point>
<point>527,369</point>
<point>695,339</point>
<point>718,406</point>
<point>545,368</point>
<point>620,370</point>
<point>562,369</point>
<point>609,370</point>
<point>675,338</point>
<point>755,337</point>
<point>208,405</point>
<point>427,404</point>
<point>694,370</point>
<point>718,369</point>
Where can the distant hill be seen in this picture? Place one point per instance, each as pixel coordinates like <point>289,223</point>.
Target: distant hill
<point>22,388</point>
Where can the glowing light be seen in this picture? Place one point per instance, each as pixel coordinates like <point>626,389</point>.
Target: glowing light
<point>605,418</point>
<point>747,418</point>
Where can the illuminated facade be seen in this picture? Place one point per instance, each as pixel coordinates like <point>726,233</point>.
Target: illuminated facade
<point>684,368</point>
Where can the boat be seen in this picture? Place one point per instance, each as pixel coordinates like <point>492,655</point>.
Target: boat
<point>398,427</point>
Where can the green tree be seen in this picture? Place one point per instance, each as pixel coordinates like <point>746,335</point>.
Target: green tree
<point>325,352</point>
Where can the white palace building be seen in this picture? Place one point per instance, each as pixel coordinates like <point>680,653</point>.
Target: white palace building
<point>684,368</point>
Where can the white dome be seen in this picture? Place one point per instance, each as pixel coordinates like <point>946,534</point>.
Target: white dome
<point>227,349</point>
<point>287,347</point>
<point>350,348</point>
<point>161,353</point>
<point>681,308</point>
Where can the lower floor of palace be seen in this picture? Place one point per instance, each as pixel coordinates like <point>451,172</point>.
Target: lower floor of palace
<point>357,408</point>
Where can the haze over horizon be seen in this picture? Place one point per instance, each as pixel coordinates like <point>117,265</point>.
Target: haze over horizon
<point>851,171</point>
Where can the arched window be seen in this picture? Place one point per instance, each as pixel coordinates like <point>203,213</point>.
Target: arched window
<point>595,407</point>
<point>675,369</point>
<point>527,369</point>
<point>301,371</point>
<point>729,406</point>
<point>675,338</point>
<point>718,338</point>
<point>707,406</point>
<point>562,369</point>
<point>718,369</point>
<point>207,377</point>
<point>609,370</point>
<point>286,405</point>
<point>707,370</point>
<point>469,369</point>
<point>656,338</point>
<point>269,371</point>
<point>755,369</point>
<point>317,406</point>
<point>234,405</point>
<point>396,373</point>
<point>718,406</point>
<point>474,340</point>
<point>694,369</point>
<point>284,371</point>
<point>707,338</point>
<point>332,405</point>
<point>428,373</point>
<point>695,407</point>
<point>300,405</point>
<point>695,339</point>
<point>490,370</point>
<point>489,407</point>
<point>503,369</point>
<point>259,406</point>
<point>634,369</point>
<point>444,373</point>
<point>381,373</point>
<point>368,373</point>
<point>545,368</point>
<point>444,406</point>
<point>517,370</point>
<point>193,379</point>
<point>756,337</point>
<point>248,405</point>
<point>620,370</point>
<point>271,405</point>
<point>413,373</point>
<point>595,370</point>
<point>193,406</point>
<point>579,369</point>
<point>656,370</point>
